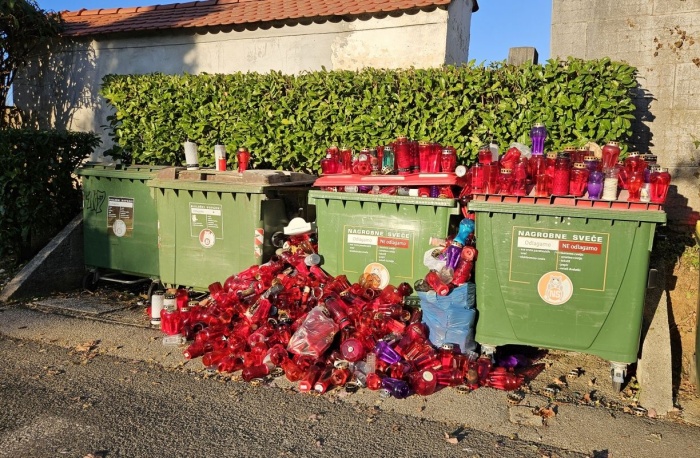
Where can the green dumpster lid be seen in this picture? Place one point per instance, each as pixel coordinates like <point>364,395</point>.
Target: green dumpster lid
<point>96,169</point>
<point>407,200</point>
<point>570,207</point>
<point>250,181</point>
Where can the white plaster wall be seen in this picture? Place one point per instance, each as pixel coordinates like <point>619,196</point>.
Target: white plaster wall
<point>64,93</point>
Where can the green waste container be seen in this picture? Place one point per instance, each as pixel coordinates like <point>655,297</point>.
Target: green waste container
<point>382,234</point>
<point>563,277</point>
<point>215,224</point>
<point>119,221</point>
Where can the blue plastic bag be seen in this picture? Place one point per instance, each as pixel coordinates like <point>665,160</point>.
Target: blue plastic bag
<point>451,318</point>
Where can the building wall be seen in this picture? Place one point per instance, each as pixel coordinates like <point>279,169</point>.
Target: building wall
<point>662,39</point>
<point>62,89</point>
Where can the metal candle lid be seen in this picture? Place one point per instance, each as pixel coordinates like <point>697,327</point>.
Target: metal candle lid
<point>579,165</point>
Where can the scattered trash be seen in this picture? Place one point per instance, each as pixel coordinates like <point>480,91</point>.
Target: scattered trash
<point>289,317</point>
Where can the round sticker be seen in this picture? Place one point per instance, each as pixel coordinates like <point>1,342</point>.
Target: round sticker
<point>119,228</point>
<point>380,271</point>
<point>207,238</point>
<point>555,288</point>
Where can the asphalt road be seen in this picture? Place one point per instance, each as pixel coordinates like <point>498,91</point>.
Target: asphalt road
<point>76,402</point>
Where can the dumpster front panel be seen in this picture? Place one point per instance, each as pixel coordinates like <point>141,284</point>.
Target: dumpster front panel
<point>120,223</point>
<point>570,282</point>
<point>388,238</point>
<point>207,236</point>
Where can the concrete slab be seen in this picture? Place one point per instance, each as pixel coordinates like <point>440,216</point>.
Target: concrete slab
<point>654,368</point>
<point>59,266</point>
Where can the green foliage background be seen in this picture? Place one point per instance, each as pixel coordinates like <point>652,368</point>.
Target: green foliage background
<point>38,193</point>
<point>288,121</point>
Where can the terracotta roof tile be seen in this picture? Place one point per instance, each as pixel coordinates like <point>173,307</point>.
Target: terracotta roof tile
<point>198,14</point>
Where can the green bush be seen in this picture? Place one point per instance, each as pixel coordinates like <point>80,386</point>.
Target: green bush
<point>287,121</point>
<point>38,192</point>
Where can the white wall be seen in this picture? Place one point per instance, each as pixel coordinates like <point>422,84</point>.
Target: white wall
<point>63,90</point>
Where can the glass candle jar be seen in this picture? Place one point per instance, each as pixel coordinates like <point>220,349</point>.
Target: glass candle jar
<point>650,161</point>
<point>561,176</point>
<point>491,178</point>
<point>634,185</point>
<point>611,154</point>
<point>634,163</point>
<point>520,173</point>
<point>345,160</point>
<point>659,182</point>
<point>478,172</point>
<point>621,174</point>
<point>413,148</point>
<point>580,155</point>
<point>505,182</point>
<point>374,162</point>
<point>549,169</point>
<point>571,153</point>
<point>485,155</point>
<point>448,160</point>
<point>579,179</point>
<point>329,165</point>
<point>402,155</point>
<point>243,158</point>
<point>536,166</point>
<point>595,184</point>
<point>592,163</point>
<point>424,153</point>
<point>538,134</point>
<point>388,160</point>
<point>610,184</point>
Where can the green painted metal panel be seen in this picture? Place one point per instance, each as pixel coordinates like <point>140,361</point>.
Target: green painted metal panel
<point>562,277</point>
<point>209,231</point>
<point>119,219</point>
<point>387,235</point>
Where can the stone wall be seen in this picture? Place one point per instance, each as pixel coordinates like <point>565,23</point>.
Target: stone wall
<point>662,39</point>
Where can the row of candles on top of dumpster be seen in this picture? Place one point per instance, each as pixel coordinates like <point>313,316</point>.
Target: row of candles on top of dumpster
<point>403,156</point>
<point>574,172</point>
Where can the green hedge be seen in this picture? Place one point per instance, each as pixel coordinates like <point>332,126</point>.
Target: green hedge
<point>38,192</point>
<point>288,121</point>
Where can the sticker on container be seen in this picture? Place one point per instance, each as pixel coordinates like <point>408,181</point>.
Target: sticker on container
<point>259,240</point>
<point>555,288</point>
<point>119,228</point>
<point>380,271</point>
<point>389,246</point>
<point>120,216</point>
<point>209,217</point>
<point>207,238</point>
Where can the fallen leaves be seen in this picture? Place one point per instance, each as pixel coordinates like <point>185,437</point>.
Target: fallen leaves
<point>86,346</point>
<point>451,439</point>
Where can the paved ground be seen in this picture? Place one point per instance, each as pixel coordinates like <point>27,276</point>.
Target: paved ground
<point>584,415</point>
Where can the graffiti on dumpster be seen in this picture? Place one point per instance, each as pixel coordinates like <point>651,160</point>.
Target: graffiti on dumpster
<point>94,200</point>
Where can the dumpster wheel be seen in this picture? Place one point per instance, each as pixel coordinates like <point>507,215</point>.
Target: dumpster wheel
<point>90,280</point>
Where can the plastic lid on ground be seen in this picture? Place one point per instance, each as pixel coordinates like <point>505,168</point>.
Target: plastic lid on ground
<point>299,226</point>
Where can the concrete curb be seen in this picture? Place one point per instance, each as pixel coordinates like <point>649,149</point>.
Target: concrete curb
<point>58,267</point>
